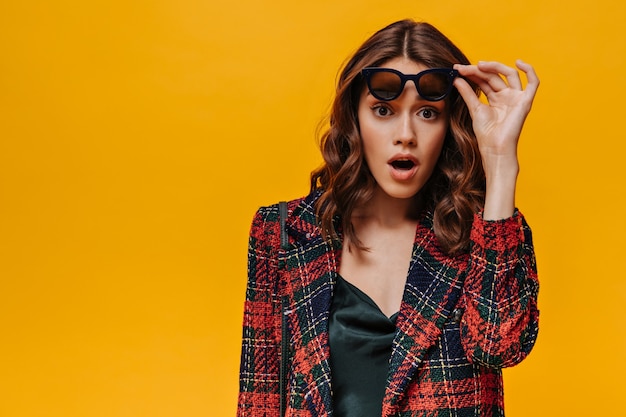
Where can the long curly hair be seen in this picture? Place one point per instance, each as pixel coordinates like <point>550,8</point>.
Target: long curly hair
<point>455,190</point>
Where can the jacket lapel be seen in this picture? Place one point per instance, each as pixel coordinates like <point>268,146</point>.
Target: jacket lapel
<point>309,275</point>
<point>432,289</point>
<point>310,267</point>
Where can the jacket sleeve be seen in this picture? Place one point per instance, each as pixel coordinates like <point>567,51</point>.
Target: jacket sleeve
<point>501,319</point>
<point>259,371</point>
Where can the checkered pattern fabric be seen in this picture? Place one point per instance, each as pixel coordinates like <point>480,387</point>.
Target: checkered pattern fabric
<point>462,319</point>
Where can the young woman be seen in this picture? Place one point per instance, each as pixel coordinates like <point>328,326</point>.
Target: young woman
<point>409,278</point>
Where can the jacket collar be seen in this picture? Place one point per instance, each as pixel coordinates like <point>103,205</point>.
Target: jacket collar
<point>430,293</point>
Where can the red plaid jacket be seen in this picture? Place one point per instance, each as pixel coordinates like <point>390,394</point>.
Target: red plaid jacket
<point>462,319</point>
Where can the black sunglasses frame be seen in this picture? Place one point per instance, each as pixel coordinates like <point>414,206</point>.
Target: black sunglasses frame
<point>369,71</point>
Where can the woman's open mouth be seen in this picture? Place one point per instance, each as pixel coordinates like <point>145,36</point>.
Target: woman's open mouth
<point>403,164</point>
<point>403,167</point>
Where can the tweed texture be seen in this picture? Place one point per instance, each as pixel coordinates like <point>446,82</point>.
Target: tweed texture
<point>462,318</point>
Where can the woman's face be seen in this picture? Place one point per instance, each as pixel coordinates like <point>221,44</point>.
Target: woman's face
<point>402,138</point>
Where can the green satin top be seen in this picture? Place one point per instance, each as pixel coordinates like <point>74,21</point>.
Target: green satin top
<point>360,337</point>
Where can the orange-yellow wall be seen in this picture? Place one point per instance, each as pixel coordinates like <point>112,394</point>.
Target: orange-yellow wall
<point>137,138</point>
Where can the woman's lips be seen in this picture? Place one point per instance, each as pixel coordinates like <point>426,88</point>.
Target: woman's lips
<point>402,167</point>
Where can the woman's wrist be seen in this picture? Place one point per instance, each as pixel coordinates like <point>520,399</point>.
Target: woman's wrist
<point>501,179</point>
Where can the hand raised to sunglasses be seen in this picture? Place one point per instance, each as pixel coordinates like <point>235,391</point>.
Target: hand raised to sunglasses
<point>498,125</point>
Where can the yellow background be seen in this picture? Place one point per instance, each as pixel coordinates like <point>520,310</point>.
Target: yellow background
<point>137,138</point>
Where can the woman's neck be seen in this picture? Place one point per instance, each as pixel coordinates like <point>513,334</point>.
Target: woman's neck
<point>385,211</point>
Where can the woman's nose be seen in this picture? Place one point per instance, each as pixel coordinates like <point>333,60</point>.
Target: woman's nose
<point>405,133</point>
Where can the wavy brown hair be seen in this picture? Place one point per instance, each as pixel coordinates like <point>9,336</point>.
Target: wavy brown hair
<point>455,190</point>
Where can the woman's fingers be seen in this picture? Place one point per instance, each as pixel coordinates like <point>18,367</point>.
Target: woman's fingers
<point>488,75</point>
<point>468,95</point>
<point>497,68</point>
<point>531,75</point>
<point>480,78</point>
<point>487,81</point>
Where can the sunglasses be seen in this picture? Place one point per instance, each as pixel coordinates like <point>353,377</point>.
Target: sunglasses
<point>386,84</point>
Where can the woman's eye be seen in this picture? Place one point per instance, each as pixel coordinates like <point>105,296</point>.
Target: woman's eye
<point>428,113</point>
<point>381,111</point>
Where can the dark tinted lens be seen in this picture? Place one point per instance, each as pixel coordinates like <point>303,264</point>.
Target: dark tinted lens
<point>434,85</point>
<point>385,85</point>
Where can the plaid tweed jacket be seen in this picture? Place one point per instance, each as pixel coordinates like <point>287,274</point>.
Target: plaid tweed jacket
<point>461,319</point>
